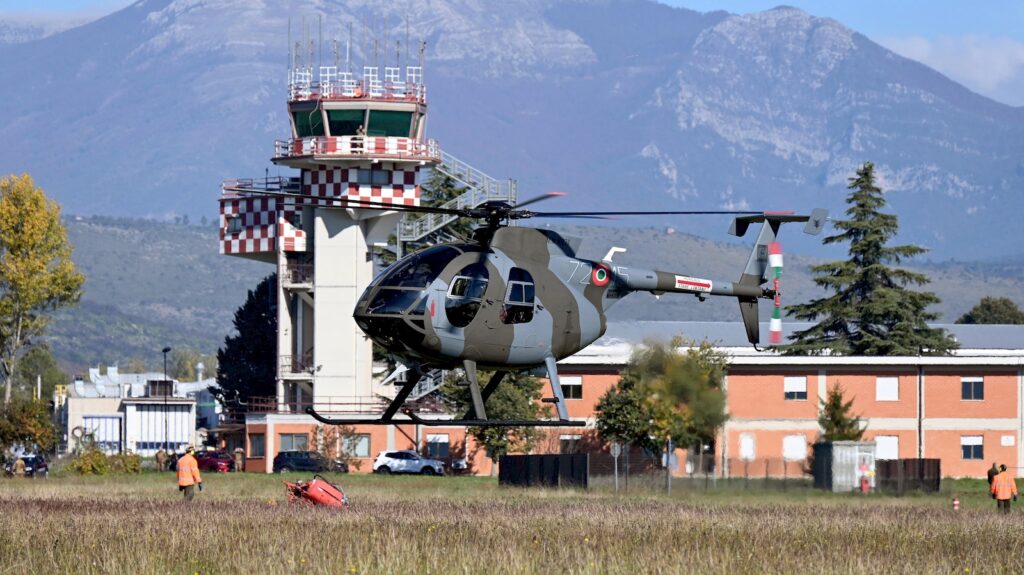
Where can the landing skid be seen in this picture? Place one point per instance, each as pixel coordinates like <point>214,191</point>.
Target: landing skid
<point>413,419</point>
<point>475,417</point>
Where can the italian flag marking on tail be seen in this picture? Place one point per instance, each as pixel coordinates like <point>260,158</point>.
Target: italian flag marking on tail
<point>775,262</point>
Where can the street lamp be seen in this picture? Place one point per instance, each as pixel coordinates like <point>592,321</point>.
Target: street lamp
<point>166,350</point>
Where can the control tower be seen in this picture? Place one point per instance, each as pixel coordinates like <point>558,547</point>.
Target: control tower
<point>352,138</point>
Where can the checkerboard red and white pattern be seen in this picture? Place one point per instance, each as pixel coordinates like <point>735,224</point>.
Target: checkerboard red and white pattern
<point>265,226</point>
<point>327,182</point>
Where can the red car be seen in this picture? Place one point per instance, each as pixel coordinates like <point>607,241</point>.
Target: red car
<point>215,461</point>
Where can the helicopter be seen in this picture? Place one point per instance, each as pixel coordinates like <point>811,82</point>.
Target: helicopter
<point>518,299</point>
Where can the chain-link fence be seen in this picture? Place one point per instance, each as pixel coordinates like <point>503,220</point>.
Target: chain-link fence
<point>636,469</point>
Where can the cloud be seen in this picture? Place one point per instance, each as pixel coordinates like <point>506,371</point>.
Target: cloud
<point>990,66</point>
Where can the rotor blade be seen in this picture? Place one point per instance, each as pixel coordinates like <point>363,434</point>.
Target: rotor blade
<point>540,198</point>
<point>668,213</point>
<point>574,216</point>
<point>352,202</point>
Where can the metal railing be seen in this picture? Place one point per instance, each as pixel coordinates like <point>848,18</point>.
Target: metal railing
<point>384,147</point>
<point>297,274</point>
<point>241,187</point>
<point>335,85</point>
<point>371,406</point>
<point>297,364</point>
<point>481,188</point>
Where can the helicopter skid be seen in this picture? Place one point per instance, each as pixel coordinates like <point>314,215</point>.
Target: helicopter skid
<point>412,418</point>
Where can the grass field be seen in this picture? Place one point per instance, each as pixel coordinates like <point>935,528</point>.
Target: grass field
<point>243,524</point>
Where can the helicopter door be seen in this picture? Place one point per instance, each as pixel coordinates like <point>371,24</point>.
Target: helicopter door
<point>518,306</point>
<point>465,294</point>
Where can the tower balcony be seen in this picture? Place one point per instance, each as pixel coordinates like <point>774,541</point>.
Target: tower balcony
<point>325,150</point>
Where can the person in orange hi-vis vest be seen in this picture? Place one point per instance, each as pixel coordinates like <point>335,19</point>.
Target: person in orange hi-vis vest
<point>1004,488</point>
<point>188,474</point>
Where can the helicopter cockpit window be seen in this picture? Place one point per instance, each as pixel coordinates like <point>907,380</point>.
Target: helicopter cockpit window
<point>420,269</point>
<point>464,295</point>
<point>519,298</point>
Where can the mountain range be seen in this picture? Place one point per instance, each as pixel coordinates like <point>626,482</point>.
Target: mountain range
<point>619,102</point>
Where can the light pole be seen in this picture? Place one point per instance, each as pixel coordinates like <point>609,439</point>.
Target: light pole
<point>166,350</point>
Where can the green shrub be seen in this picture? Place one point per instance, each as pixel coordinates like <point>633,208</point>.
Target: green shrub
<point>126,463</point>
<point>90,461</point>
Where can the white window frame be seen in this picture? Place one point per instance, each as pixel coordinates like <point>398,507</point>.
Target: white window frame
<point>291,438</point>
<point>972,441</point>
<point>234,226</point>
<point>972,380</point>
<point>789,450</point>
<point>356,445</point>
<point>794,384</point>
<point>887,446</point>
<point>748,447</point>
<point>887,388</point>
<point>571,381</point>
<point>439,439</point>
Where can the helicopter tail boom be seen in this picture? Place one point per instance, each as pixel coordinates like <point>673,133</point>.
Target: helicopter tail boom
<point>765,260</point>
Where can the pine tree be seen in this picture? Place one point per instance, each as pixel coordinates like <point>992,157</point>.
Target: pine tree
<point>246,364</point>
<point>836,421</point>
<point>871,311</point>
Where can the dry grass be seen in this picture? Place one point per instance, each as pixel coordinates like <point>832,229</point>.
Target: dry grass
<point>242,524</point>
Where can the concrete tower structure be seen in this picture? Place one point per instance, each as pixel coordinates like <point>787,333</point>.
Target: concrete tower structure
<point>353,138</point>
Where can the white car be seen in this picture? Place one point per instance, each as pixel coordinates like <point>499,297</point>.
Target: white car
<point>406,462</point>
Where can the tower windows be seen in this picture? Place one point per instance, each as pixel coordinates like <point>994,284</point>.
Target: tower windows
<point>308,123</point>
<point>345,122</point>
<point>234,224</point>
<point>390,124</point>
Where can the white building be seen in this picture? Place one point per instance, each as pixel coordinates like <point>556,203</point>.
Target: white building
<point>137,412</point>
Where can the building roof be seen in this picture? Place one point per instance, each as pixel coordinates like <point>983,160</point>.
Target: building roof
<point>979,344</point>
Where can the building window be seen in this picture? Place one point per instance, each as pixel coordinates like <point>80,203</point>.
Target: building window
<point>887,389</point>
<point>308,123</point>
<point>294,442</point>
<point>256,446</point>
<point>572,386</point>
<point>373,178</point>
<point>569,443</point>
<point>747,447</point>
<point>437,445</point>
<point>357,445</point>
<point>972,446</point>
<point>887,447</point>
<point>795,387</point>
<point>234,224</point>
<point>972,388</point>
<point>794,447</point>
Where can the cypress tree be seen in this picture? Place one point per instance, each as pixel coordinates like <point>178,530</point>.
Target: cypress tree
<point>871,311</point>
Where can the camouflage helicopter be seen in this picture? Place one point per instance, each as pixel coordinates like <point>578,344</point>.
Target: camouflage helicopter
<point>518,299</point>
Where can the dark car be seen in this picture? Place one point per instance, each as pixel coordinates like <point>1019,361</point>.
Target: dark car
<point>35,466</point>
<point>307,461</point>
<point>215,461</point>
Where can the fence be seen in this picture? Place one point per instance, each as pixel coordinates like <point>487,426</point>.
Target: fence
<point>902,475</point>
<point>639,469</point>
<point>544,470</point>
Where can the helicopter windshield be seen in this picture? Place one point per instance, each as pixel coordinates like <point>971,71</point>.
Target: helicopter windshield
<point>418,270</point>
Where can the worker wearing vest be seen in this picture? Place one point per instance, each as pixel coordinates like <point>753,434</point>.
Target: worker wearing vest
<point>1003,489</point>
<point>188,474</point>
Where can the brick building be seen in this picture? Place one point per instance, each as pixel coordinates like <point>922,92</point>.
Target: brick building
<point>965,409</point>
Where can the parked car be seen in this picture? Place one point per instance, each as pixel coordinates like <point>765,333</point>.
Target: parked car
<point>215,461</point>
<point>286,461</point>
<point>406,462</point>
<point>35,466</point>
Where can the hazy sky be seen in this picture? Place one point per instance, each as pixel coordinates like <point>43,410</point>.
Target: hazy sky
<point>979,44</point>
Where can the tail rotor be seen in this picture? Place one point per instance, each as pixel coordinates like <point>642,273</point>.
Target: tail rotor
<point>775,263</point>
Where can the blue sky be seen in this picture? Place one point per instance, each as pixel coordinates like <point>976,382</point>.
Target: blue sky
<point>979,44</point>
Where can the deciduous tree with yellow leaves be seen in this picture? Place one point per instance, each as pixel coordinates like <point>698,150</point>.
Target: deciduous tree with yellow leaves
<point>37,275</point>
